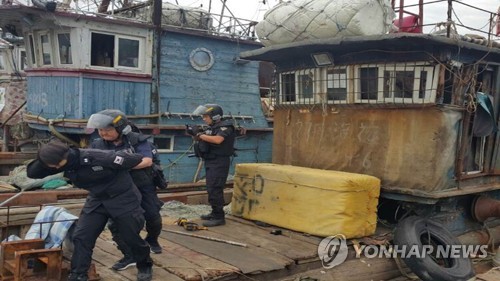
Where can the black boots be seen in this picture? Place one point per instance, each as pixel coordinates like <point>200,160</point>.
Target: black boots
<point>153,227</point>
<point>215,218</point>
<point>214,222</point>
<point>154,246</point>
<point>207,217</point>
<point>77,277</point>
<point>145,273</point>
<point>124,263</point>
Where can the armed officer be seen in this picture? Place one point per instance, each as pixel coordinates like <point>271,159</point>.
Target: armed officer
<point>116,134</point>
<point>112,194</point>
<point>216,146</point>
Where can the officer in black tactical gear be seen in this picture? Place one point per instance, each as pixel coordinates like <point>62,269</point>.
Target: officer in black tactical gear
<point>116,134</point>
<point>112,194</point>
<point>216,146</point>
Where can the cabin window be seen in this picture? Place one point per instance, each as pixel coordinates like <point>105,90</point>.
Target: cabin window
<point>305,83</point>
<point>368,80</point>
<point>164,143</point>
<point>2,98</point>
<point>405,83</point>
<point>64,43</point>
<point>336,84</point>
<point>410,83</point>
<point>114,51</point>
<point>398,84</point>
<point>22,61</point>
<point>45,44</point>
<point>449,79</point>
<point>299,86</point>
<point>102,49</point>
<point>288,87</point>
<point>128,52</point>
<point>32,49</point>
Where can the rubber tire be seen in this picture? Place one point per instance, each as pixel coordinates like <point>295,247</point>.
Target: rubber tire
<point>409,231</point>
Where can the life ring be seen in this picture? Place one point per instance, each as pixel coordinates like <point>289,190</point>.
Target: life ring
<point>415,231</point>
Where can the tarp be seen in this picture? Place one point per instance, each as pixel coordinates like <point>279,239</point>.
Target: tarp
<point>300,20</point>
<point>484,120</point>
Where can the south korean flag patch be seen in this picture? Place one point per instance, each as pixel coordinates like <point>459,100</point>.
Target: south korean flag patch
<point>118,160</point>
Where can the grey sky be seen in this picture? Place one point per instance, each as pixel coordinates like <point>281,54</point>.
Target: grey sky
<point>433,13</point>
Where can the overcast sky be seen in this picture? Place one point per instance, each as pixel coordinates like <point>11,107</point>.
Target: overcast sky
<point>433,13</point>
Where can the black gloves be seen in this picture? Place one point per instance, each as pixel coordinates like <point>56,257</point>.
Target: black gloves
<point>194,131</point>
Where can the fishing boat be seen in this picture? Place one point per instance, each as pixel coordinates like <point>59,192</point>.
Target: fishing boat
<point>374,96</point>
<point>418,112</point>
<point>155,63</point>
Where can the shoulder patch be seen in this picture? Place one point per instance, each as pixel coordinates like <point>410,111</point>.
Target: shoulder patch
<point>118,160</point>
<point>223,128</point>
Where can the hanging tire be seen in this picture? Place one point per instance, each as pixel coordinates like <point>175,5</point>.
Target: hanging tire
<point>419,232</point>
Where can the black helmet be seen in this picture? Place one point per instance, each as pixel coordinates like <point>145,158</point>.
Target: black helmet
<point>211,109</point>
<point>110,118</point>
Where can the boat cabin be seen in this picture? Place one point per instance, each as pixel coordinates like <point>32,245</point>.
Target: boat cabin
<point>418,111</point>
<point>81,63</point>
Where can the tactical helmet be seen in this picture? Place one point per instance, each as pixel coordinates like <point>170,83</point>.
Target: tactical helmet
<point>211,109</point>
<point>110,118</point>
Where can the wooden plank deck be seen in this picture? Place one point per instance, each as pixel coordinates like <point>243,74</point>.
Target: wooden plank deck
<point>264,256</point>
<point>194,258</point>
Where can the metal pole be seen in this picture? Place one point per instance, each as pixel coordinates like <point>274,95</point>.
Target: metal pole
<point>421,14</point>
<point>6,139</point>
<point>448,24</point>
<point>12,115</point>
<point>11,198</point>
<point>208,238</point>
<point>221,15</point>
<point>156,95</point>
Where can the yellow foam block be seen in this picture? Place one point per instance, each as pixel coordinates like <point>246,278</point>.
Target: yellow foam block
<point>314,201</point>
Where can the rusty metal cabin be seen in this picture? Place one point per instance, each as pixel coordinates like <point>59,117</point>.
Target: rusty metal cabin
<point>80,63</point>
<point>410,109</point>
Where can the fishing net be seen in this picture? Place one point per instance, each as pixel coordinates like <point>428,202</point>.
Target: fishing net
<point>300,20</point>
<point>19,178</point>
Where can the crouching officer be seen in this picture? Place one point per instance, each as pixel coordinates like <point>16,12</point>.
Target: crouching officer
<point>116,134</point>
<point>216,146</point>
<point>112,194</point>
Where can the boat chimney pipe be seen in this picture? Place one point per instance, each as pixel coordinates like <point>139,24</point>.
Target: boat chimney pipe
<point>484,207</point>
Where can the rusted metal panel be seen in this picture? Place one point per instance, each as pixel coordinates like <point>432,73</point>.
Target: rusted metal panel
<point>412,148</point>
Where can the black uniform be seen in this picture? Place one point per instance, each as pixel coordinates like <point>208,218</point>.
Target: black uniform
<point>217,163</point>
<point>143,179</point>
<point>112,194</point>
